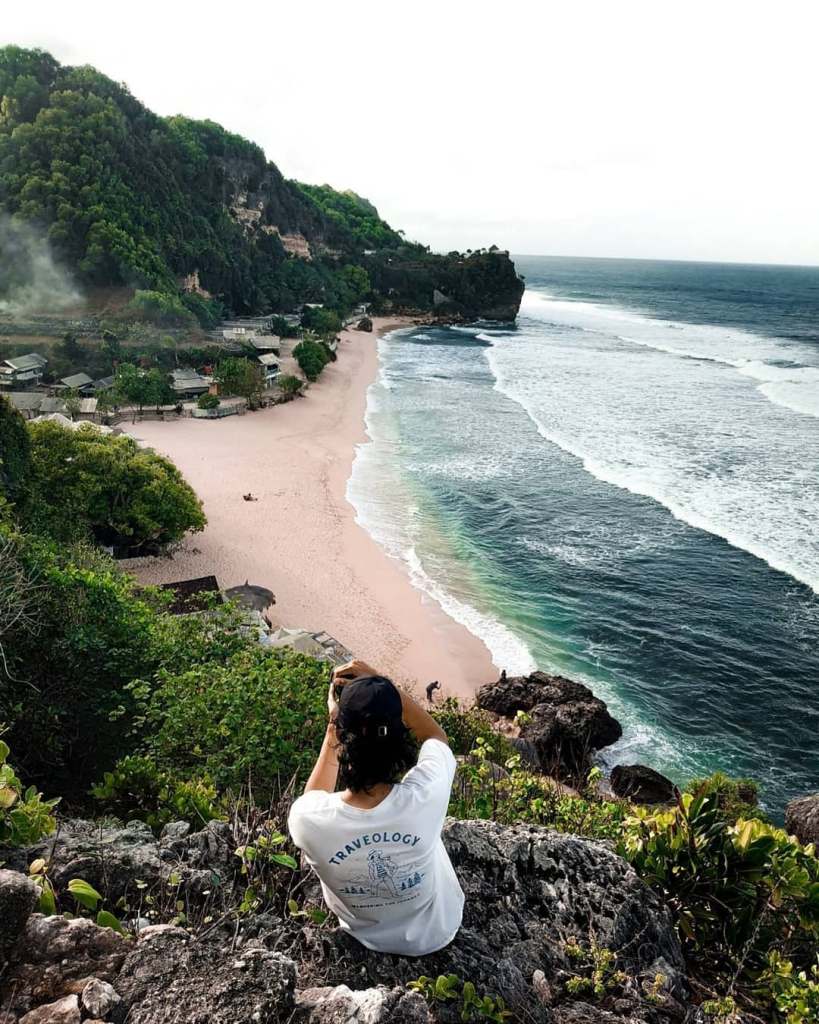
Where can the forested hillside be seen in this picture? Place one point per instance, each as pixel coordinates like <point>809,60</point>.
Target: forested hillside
<point>128,198</point>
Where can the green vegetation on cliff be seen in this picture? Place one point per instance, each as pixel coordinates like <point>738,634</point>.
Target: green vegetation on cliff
<point>129,198</point>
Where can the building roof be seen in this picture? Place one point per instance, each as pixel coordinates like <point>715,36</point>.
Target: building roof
<point>25,401</point>
<point>268,359</point>
<point>103,384</point>
<point>187,379</point>
<point>50,404</point>
<point>88,406</point>
<point>77,380</point>
<point>265,342</point>
<point>31,361</point>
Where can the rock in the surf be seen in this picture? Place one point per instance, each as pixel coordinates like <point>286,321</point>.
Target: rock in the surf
<point>802,818</point>
<point>565,722</point>
<point>641,784</point>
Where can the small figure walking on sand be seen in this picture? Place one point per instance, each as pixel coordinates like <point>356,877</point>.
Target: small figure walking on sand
<point>431,689</point>
<point>249,497</point>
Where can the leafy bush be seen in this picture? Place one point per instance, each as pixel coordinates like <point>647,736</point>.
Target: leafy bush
<point>737,890</point>
<point>137,789</point>
<point>15,453</point>
<point>89,484</point>
<point>281,325</point>
<point>464,726</point>
<point>511,793</point>
<point>324,322</point>
<point>256,718</point>
<point>312,357</point>
<point>24,816</point>
<point>794,994</point>
<point>736,798</point>
<point>208,401</point>
<point>160,308</point>
<point>289,385</point>
<point>449,988</point>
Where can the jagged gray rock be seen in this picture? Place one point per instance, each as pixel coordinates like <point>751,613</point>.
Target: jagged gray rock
<point>18,898</point>
<point>342,1005</point>
<point>62,1011</point>
<point>114,859</point>
<point>100,999</point>
<point>527,891</point>
<point>641,784</point>
<point>567,722</point>
<point>170,978</point>
<point>55,957</point>
<point>802,818</point>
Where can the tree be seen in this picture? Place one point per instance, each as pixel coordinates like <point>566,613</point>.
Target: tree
<point>108,489</point>
<point>15,453</point>
<point>242,377</point>
<point>139,388</point>
<point>312,357</point>
<point>70,349</point>
<point>71,398</point>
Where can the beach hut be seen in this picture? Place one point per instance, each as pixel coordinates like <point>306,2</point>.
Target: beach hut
<point>77,382</point>
<point>27,403</point>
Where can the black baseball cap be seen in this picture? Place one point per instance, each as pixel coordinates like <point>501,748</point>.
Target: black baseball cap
<point>370,701</point>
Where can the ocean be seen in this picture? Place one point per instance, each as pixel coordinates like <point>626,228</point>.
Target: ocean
<point>623,487</point>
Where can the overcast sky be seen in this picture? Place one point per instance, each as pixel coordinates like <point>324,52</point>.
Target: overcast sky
<point>683,130</point>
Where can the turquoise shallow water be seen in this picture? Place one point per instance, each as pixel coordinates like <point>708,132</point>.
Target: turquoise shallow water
<point>624,487</point>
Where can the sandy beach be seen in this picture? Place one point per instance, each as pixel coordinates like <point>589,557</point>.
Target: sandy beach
<point>300,538</point>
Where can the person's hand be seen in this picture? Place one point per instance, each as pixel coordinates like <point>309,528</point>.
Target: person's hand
<point>332,703</point>
<point>352,670</point>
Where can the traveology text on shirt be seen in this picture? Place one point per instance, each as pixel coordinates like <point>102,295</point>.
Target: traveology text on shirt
<point>373,839</point>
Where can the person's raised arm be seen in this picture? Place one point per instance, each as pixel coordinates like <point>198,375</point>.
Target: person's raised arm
<point>325,771</point>
<point>419,721</point>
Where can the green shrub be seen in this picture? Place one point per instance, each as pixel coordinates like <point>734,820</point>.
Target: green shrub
<point>737,890</point>
<point>324,322</point>
<point>464,726</point>
<point>24,816</point>
<point>736,798</point>
<point>107,488</point>
<point>160,308</point>
<point>138,789</point>
<point>289,385</point>
<point>794,994</point>
<point>511,793</point>
<point>281,325</point>
<point>312,357</point>
<point>208,402</point>
<point>256,718</point>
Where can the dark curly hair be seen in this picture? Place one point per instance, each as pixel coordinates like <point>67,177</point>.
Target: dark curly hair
<point>369,755</point>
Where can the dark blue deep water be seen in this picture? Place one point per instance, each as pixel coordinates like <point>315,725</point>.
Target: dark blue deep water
<point>624,487</point>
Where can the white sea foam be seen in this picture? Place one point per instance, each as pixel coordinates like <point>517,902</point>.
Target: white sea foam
<point>686,431</point>
<point>384,506</point>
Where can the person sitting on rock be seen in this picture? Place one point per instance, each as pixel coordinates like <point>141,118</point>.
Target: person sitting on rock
<point>376,844</point>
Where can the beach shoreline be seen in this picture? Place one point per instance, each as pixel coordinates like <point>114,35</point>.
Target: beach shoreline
<point>301,538</point>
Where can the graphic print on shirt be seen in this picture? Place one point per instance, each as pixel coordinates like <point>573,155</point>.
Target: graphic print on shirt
<point>384,878</point>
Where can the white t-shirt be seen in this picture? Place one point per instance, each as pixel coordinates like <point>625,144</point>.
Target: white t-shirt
<point>384,871</point>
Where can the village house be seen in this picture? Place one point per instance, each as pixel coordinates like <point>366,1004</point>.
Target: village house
<point>77,382</point>
<point>26,370</point>
<point>187,383</point>
<point>267,343</point>
<point>270,365</point>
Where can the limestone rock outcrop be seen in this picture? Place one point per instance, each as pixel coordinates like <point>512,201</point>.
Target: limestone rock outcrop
<point>566,722</point>
<point>802,818</point>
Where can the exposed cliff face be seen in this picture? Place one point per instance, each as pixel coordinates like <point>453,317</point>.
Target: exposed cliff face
<point>151,201</point>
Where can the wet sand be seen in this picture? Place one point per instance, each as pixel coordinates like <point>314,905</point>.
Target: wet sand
<point>300,538</point>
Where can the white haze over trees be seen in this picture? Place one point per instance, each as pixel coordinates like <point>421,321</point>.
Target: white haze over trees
<point>30,278</point>
<point>592,128</point>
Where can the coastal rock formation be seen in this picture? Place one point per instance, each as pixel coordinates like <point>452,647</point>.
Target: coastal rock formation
<point>802,818</point>
<point>528,890</point>
<point>566,722</point>
<point>364,324</point>
<point>641,784</point>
